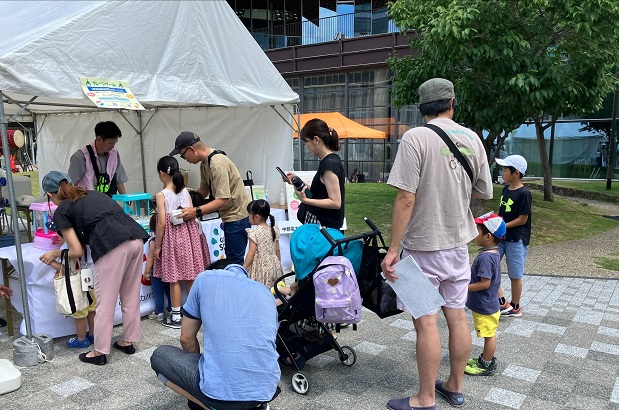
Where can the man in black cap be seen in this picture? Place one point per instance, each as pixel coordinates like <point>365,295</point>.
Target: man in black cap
<point>432,222</point>
<point>222,182</point>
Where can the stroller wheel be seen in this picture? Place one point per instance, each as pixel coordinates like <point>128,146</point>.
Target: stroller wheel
<point>300,384</point>
<point>349,357</point>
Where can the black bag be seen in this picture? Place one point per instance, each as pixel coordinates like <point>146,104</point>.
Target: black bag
<point>377,295</point>
<point>104,183</point>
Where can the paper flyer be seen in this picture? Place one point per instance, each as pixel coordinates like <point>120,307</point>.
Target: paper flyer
<point>113,94</point>
<point>414,289</point>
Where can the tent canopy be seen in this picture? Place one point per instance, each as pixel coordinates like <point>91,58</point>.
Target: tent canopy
<point>345,127</point>
<point>176,53</point>
<point>192,64</point>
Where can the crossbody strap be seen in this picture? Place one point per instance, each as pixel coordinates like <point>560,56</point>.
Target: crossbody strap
<point>94,162</point>
<point>454,150</point>
<point>210,182</point>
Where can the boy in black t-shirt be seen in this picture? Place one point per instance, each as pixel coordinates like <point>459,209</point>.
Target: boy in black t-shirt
<point>515,208</point>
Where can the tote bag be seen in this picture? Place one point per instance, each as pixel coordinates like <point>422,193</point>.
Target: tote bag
<point>377,295</point>
<point>70,297</point>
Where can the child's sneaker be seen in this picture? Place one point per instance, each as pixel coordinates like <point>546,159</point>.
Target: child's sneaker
<point>481,369</point>
<point>90,338</point>
<point>156,316</point>
<point>174,324</point>
<point>511,312</point>
<point>74,342</point>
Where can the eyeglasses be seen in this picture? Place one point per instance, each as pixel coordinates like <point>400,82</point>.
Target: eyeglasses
<point>184,152</point>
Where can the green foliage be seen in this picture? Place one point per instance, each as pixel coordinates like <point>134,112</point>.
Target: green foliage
<point>510,60</point>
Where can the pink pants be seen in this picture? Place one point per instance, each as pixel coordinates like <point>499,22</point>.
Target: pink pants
<point>118,272</point>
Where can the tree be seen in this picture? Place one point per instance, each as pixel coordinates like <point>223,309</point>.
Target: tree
<point>603,116</point>
<point>511,60</point>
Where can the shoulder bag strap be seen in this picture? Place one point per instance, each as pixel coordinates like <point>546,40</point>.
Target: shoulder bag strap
<point>210,183</point>
<point>64,258</point>
<point>94,162</point>
<point>454,150</point>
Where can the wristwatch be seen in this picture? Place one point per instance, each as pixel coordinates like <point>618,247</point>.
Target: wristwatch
<point>198,212</point>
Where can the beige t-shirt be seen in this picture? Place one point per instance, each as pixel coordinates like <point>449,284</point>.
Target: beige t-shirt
<point>425,166</point>
<point>226,183</point>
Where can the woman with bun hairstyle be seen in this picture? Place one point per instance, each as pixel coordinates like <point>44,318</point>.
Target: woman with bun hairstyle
<point>116,244</point>
<point>326,206</point>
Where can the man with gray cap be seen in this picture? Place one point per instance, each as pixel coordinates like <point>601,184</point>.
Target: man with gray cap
<point>433,223</point>
<point>222,182</point>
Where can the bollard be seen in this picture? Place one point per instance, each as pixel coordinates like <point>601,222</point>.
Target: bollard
<point>46,344</point>
<point>25,352</point>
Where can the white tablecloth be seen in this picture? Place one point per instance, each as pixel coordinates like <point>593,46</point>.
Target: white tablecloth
<point>214,231</point>
<point>41,298</point>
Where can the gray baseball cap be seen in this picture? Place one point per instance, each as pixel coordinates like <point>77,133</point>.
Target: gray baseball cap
<point>185,139</point>
<point>51,181</point>
<point>436,89</point>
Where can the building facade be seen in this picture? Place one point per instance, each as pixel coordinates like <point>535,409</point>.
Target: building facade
<point>333,54</point>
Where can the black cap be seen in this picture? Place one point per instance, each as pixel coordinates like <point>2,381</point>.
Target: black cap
<point>185,139</point>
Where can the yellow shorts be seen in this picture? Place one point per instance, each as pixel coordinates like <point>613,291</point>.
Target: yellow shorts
<point>80,314</point>
<point>486,325</point>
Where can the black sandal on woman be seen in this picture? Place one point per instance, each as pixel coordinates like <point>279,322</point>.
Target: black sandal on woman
<point>98,360</point>
<point>129,349</point>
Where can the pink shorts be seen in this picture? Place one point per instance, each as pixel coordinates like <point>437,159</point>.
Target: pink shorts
<point>448,270</point>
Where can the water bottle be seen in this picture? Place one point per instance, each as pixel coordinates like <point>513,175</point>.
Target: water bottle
<point>299,184</point>
<point>266,195</point>
<point>282,197</point>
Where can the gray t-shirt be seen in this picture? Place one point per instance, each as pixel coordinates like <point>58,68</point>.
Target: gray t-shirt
<point>425,166</point>
<point>77,167</point>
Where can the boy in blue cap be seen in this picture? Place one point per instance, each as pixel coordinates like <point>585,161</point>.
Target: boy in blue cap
<point>485,283</point>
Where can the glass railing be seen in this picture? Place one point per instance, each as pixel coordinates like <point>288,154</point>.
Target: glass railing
<point>325,29</point>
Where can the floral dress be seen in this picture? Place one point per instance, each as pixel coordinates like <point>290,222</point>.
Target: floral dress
<point>266,266</point>
<point>184,250</point>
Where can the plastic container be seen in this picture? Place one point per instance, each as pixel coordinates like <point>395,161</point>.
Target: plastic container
<point>282,197</point>
<point>40,215</point>
<point>46,241</point>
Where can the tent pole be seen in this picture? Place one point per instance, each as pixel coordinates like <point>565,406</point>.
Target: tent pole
<point>14,218</point>
<point>141,134</point>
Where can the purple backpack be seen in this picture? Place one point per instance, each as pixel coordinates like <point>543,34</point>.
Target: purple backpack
<point>338,299</point>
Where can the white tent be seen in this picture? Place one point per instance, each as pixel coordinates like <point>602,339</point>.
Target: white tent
<point>191,64</point>
<point>572,146</point>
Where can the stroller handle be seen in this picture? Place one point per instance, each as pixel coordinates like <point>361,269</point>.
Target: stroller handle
<point>375,231</point>
<point>371,225</point>
<point>278,294</point>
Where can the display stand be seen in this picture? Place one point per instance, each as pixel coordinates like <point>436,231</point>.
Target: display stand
<point>136,205</point>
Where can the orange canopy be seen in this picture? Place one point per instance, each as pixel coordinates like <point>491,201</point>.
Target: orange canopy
<point>345,127</point>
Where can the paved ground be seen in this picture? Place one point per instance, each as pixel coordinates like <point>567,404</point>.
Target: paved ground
<point>562,354</point>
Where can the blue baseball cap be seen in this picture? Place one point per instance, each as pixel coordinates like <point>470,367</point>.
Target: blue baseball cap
<point>51,181</point>
<point>494,223</point>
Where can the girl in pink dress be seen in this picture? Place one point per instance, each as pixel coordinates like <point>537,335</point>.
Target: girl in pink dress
<point>181,251</point>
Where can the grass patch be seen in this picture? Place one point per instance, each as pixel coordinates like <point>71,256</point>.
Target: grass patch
<point>591,186</point>
<point>371,200</point>
<point>608,263</point>
<point>34,181</point>
<point>558,221</point>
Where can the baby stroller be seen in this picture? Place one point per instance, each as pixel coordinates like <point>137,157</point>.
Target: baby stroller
<point>300,336</point>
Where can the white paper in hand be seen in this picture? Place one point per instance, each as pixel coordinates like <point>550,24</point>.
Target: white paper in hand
<point>414,289</point>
